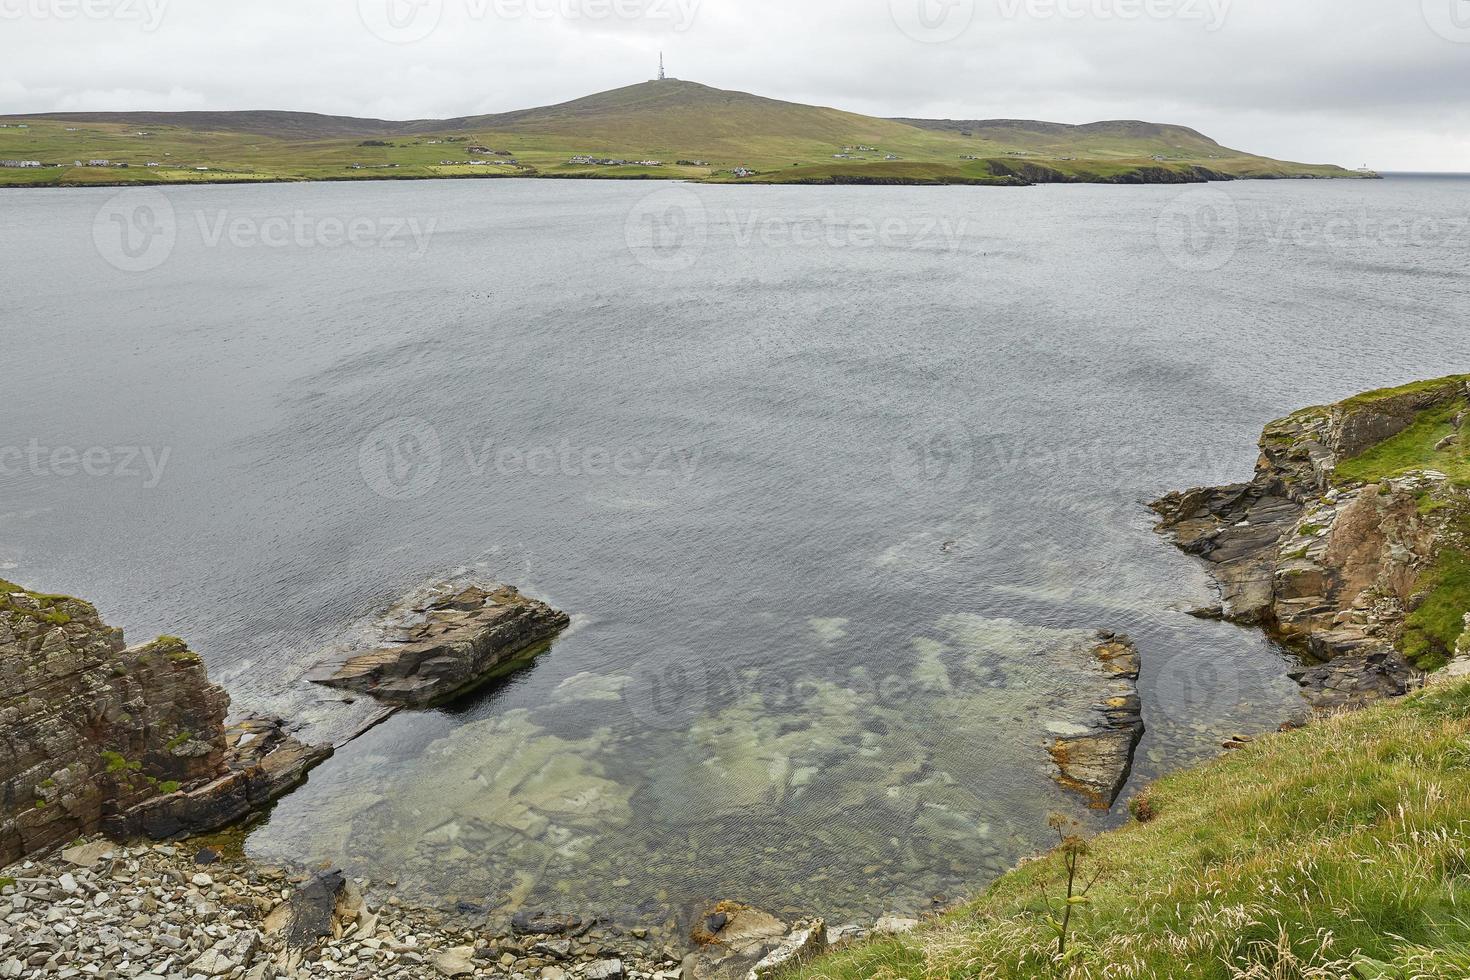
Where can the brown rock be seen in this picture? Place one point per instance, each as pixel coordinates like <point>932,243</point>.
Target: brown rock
<point>1097,764</point>
<point>458,642</point>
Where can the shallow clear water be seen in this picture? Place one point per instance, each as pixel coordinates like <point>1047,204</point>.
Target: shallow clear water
<point>829,478</point>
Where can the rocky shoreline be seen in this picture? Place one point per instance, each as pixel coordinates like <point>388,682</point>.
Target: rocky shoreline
<point>132,740</point>
<point>1343,546</point>
<point>1336,546</point>
<point>177,911</point>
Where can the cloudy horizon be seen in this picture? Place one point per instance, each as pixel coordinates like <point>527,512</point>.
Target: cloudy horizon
<point>1352,82</point>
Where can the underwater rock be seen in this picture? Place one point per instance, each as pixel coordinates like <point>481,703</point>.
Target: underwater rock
<point>1097,764</point>
<point>458,641</point>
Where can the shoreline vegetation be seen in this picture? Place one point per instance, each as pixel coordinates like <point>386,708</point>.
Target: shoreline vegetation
<point>669,130</point>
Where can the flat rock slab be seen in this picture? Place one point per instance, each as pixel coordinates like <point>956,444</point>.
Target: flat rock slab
<point>1098,761</point>
<point>458,641</point>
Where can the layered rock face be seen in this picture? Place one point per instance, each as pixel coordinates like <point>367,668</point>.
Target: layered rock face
<point>1330,562</point>
<point>93,733</point>
<point>1097,762</point>
<point>452,644</point>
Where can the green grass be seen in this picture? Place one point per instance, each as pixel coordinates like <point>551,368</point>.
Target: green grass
<point>1414,449</point>
<point>1301,856</point>
<point>670,121</point>
<point>1432,630</point>
<point>48,613</point>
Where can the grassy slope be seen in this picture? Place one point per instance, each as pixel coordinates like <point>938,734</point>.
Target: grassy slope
<point>1299,857</point>
<point>668,121</point>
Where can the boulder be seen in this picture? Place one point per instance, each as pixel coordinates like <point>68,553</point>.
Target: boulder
<point>454,643</point>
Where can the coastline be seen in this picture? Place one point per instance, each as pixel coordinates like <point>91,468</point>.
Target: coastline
<point>852,180</point>
<point>1342,488</point>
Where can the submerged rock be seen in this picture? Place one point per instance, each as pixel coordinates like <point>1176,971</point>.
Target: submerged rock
<point>1098,761</point>
<point>459,641</point>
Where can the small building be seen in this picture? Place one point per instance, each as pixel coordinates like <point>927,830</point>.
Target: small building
<point>743,172</point>
<point>20,164</point>
<point>99,163</point>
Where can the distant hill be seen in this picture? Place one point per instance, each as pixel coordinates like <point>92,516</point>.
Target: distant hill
<point>693,131</point>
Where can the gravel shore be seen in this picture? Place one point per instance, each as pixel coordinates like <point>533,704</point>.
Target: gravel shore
<point>179,912</point>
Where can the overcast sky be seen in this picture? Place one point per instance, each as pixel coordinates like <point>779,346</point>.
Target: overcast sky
<point>1381,82</point>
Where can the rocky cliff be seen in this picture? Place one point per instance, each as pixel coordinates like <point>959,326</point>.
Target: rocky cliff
<point>97,735</point>
<point>1350,544</point>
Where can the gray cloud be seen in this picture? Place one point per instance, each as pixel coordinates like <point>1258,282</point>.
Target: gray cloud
<point>1345,81</point>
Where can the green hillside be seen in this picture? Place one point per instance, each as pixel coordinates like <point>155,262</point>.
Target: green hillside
<point>694,131</point>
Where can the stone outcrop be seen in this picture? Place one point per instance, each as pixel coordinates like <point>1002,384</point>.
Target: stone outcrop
<point>1098,762</point>
<point>1330,566</point>
<point>448,646</point>
<point>97,735</point>
<point>738,942</point>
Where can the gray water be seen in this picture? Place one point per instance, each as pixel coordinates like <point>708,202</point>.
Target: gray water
<point>830,479</point>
